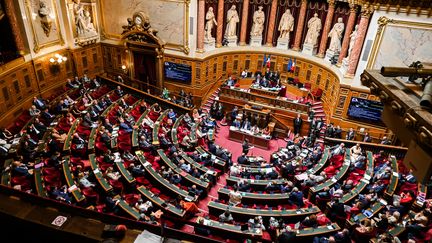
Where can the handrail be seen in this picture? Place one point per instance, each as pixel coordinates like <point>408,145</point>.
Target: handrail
<point>204,97</point>
<point>145,94</point>
<point>397,151</point>
<point>280,122</point>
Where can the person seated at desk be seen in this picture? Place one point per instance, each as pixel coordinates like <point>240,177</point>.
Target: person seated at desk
<point>243,185</point>
<point>230,81</point>
<point>143,207</point>
<point>235,197</point>
<point>296,197</point>
<point>112,175</point>
<point>255,130</point>
<point>225,217</point>
<point>78,141</point>
<point>201,230</point>
<point>195,191</point>
<point>124,126</point>
<point>257,223</point>
<point>60,194</point>
<point>236,123</point>
<point>355,152</point>
<point>264,82</point>
<point>119,91</point>
<point>33,111</point>
<point>242,159</point>
<point>246,125</point>
<point>83,180</point>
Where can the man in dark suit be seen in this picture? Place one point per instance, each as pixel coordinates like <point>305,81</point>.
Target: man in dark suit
<point>297,124</point>
<point>242,159</point>
<point>245,146</point>
<point>367,138</point>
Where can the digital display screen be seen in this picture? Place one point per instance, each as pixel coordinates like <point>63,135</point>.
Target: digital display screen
<point>178,72</point>
<point>365,110</point>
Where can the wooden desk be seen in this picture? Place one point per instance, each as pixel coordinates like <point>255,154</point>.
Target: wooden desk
<point>186,176</point>
<point>124,172</point>
<point>40,188</point>
<point>218,162</point>
<point>256,184</point>
<point>98,174</point>
<point>133,212</point>
<point>216,208</point>
<point>294,90</point>
<point>254,198</point>
<point>6,175</point>
<point>394,179</point>
<point>258,141</point>
<point>70,180</point>
<point>157,126</point>
<point>68,141</point>
<point>158,201</point>
<point>225,228</point>
<point>265,92</point>
<point>175,190</point>
<point>331,181</point>
<point>139,122</point>
<point>374,209</point>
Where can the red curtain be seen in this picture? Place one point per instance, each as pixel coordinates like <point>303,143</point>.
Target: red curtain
<point>145,67</point>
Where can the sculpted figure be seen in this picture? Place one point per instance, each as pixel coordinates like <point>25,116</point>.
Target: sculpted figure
<point>314,28</point>
<point>353,37</point>
<point>232,20</point>
<point>258,22</point>
<point>88,25</point>
<point>210,22</point>
<point>78,10</point>
<point>286,25</point>
<point>336,35</point>
<point>44,18</point>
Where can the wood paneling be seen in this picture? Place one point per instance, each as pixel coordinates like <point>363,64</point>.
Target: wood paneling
<point>38,77</point>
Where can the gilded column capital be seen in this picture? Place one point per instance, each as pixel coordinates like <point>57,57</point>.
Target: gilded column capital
<point>304,1</point>
<point>353,8</point>
<point>366,11</point>
<point>331,3</point>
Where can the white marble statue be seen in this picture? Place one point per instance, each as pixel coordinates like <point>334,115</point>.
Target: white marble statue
<point>258,22</point>
<point>286,25</point>
<point>45,19</point>
<point>353,37</point>
<point>314,28</point>
<point>210,22</point>
<point>78,10</point>
<point>335,35</point>
<point>88,24</point>
<point>232,20</point>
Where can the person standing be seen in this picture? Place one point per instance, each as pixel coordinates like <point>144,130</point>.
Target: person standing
<point>246,147</point>
<point>297,124</point>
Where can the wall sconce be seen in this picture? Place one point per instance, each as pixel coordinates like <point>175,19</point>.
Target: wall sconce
<point>124,69</point>
<point>58,59</point>
<point>55,62</point>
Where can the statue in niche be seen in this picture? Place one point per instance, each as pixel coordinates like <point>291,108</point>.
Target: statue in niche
<point>45,19</point>
<point>353,37</point>
<point>335,35</point>
<point>88,24</point>
<point>314,28</point>
<point>211,21</point>
<point>78,9</point>
<point>232,20</point>
<point>258,22</point>
<point>286,25</point>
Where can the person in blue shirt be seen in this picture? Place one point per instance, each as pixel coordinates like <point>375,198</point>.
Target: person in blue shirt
<point>236,123</point>
<point>172,115</point>
<point>125,126</point>
<point>296,197</point>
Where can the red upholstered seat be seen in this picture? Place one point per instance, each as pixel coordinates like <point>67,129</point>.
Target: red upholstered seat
<point>90,194</point>
<point>101,147</point>
<point>317,93</point>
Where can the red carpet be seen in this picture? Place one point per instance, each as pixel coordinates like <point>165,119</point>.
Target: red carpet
<point>236,148</point>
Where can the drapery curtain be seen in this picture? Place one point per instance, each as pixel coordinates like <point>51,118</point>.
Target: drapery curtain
<point>145,67</point>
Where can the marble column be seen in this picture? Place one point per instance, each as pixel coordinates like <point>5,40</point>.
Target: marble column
<point>327,26</point>
<point>348,31</point>
<point>220,21</point>
<point>272,22</point>
<point>244,21</point>
<point>200,26</point>
<point>16,30</point>
<point>358,44</point>
<point>300,23</point>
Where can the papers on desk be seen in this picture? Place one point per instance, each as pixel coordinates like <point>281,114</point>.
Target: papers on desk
<point>72,188</point>
<point>16,141</point>
<point>189,198</point>
<point>117,157</point>
<point>383,202</point>
<point>37,166</point>
<point>54,123</point>
<point>334,180</point>
<point>367,177</point>
<point>115,129</point>
<point>395,174</point>
<point>330,227</point>
<point>211,172</point>
<point>302,177</point>
<point>213,157</point>
<point>147,164</point>
<point>364,180</point>
<point>95,171</point>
